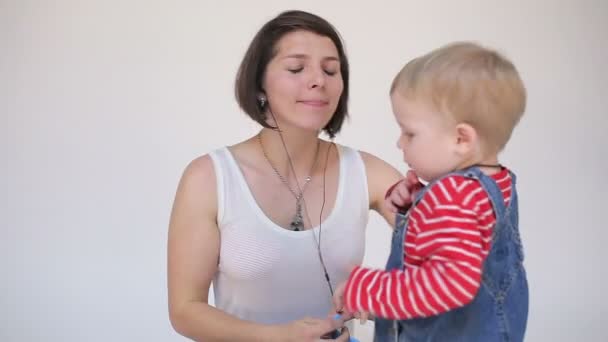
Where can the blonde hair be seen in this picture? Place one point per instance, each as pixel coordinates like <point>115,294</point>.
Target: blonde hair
<point>472,84</point>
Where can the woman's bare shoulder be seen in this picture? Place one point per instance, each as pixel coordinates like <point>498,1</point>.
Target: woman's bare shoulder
<point>197,186</point>
<point>378,168</point>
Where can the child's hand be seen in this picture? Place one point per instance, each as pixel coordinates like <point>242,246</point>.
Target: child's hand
<point>338,300</point>
<point>362,316</point>
<point>403,193</point>
<point>339,306</point>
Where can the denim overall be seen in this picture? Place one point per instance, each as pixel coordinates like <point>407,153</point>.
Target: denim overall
<point>499,310</point>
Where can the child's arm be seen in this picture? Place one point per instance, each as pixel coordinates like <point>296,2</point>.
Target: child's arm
<point>445,247</point>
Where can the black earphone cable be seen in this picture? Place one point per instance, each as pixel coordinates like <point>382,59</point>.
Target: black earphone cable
<point>317,241</point>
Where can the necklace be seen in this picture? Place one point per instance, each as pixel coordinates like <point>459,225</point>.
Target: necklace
<point>490,165</point>
<point>297,222</point>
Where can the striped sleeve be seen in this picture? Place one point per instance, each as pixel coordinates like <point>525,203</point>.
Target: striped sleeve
<point>445,246</point>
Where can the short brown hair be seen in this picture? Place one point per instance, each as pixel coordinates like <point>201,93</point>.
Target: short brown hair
<point>472,84</point>
<point>262,49</point>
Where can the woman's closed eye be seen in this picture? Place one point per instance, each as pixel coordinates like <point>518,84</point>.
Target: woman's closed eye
<point>328,72</point>
<point>295,70</point>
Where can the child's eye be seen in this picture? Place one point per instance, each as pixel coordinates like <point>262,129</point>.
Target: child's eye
<point>295,70</point>
<point>330,72</point>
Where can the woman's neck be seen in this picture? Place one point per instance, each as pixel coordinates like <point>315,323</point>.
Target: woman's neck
<point>301,147</point>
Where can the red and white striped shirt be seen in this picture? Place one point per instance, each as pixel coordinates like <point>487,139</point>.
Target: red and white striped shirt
<point>447,240</point>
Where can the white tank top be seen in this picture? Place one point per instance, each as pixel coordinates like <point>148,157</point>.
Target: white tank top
<point>268,274</point>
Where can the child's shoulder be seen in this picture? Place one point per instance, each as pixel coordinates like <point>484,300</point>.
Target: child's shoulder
<point>464,191</point>
<point>453,189</point>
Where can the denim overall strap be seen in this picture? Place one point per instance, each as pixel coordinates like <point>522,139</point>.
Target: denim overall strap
<point>490,186</point>
<point>507,217</point>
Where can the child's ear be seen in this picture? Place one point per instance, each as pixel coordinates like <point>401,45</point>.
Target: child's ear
<point>466,139</point>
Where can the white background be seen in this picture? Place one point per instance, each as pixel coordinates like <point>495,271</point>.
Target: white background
<point>103,103</point>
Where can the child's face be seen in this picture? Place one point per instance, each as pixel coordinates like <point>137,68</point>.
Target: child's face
<point>428,139</point>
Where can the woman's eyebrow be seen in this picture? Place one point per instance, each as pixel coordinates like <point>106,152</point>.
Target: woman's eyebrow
<point>304,56</point>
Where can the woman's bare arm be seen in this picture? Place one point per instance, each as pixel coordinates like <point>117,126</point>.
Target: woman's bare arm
<point>193,251</point>
<point>380,176</point>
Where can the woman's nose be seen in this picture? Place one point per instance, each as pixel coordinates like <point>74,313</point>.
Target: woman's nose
<point>317,79</point>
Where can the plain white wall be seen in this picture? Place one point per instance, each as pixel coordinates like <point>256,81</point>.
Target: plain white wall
<point>103,103</point>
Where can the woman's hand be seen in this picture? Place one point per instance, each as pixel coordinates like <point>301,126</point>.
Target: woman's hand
<point>312,329</point>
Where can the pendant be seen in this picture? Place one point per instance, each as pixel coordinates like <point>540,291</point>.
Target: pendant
<point>297,223</point>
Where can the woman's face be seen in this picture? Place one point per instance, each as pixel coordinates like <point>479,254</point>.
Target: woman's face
<point>303,83</point>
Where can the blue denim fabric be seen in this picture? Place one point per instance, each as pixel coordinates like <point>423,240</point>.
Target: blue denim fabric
<point>499,311</point>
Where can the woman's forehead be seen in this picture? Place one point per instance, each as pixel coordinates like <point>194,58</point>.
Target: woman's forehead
<point>305,44</point>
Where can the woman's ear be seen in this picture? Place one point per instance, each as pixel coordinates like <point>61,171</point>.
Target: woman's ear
<point>466,139</point>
